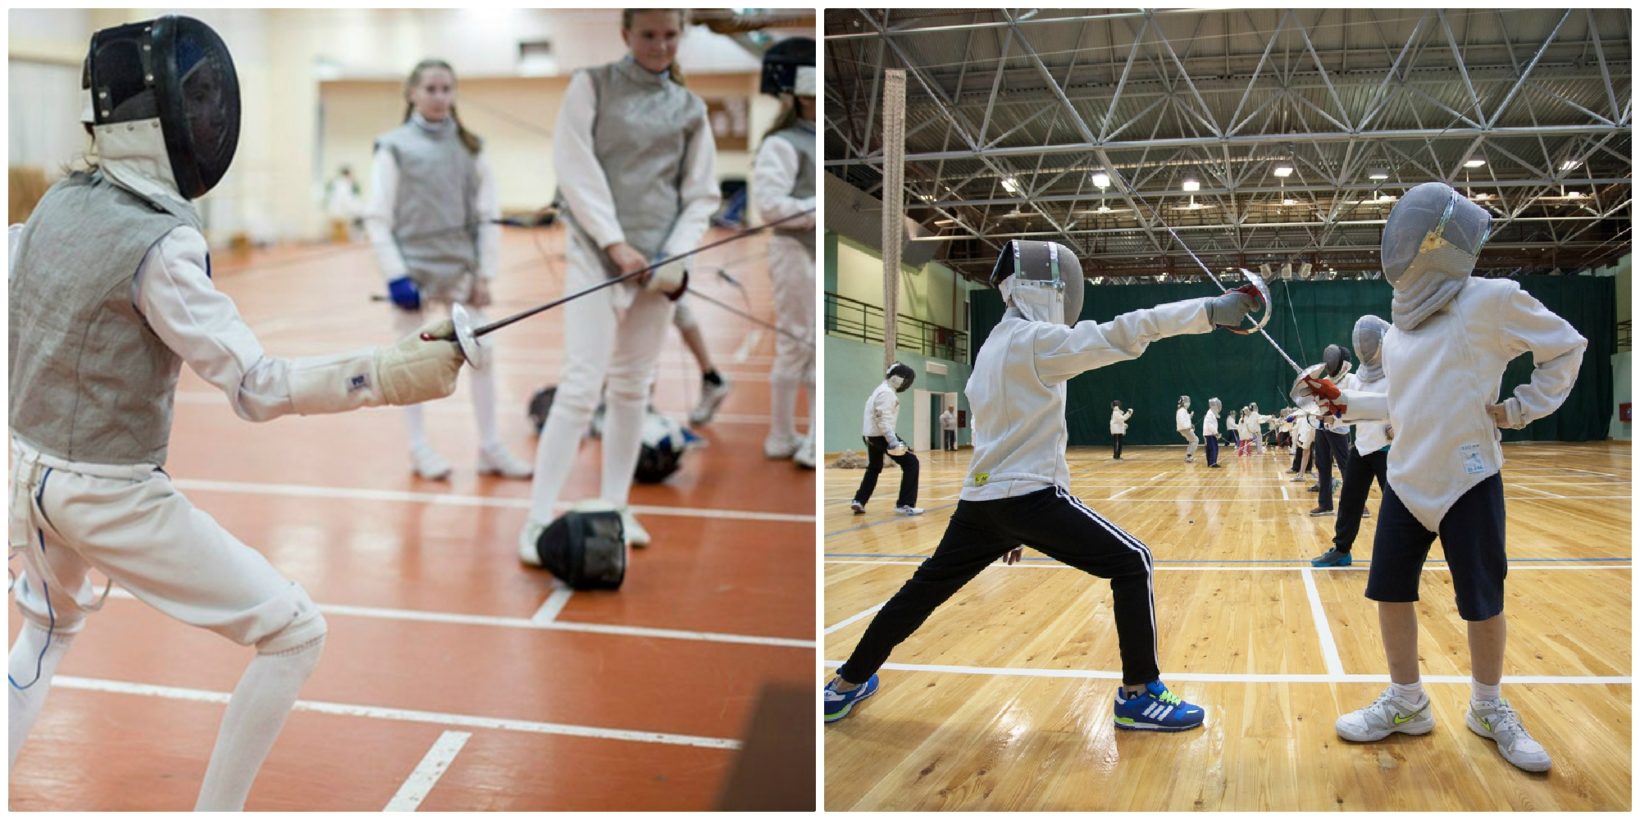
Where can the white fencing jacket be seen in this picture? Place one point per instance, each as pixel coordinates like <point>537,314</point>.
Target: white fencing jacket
<point>1441,376</point>
<point>1017,390</point>
<point>882,411</point>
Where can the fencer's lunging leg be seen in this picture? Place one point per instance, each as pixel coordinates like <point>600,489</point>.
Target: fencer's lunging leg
<point>256,713</point>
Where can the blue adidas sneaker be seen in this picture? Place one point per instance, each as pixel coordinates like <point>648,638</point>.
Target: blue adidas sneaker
<point>1332,558</point>
<point>839,704</point>
<point>1157,709</point>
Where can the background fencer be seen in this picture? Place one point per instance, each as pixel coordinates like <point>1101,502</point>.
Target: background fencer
<point>1184,422</point>
<point>635,162</point>
<point>94,359</point>
<point>882,413</point>
<point>783,180</point>
<point>433,222</point>
<point>1017,488</point>
<point>1369,456</point>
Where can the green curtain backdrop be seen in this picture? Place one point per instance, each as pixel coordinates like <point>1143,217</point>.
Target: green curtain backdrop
<point>1309,316</point>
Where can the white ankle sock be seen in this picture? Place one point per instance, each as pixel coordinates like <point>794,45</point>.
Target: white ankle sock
<point>256,713</point>
<point>1480,691</point>
<point>1412,693</point>
<point>418,426</point>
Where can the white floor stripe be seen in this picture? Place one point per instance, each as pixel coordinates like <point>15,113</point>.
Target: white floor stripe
<point>1230,677</point>
<point>452,499</point>
<point>864,613</point>
<point>1284,496</point>
<point>1532,567</point>
<point>426,774</point>
<point>404,715</point>
<point>1120,494</point>
<point>553,605</point>
<point>553,625</point>
<point>1329,648</point>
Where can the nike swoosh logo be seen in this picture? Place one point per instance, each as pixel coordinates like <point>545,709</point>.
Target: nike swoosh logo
<point>1400,719</point>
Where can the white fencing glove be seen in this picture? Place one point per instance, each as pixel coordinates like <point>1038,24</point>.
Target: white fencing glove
<point>671,279</point>
<point>896,447</point>
<point>408,372</point>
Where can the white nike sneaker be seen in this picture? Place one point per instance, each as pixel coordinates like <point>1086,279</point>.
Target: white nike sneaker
<point>805,453</point>
<point>780,447</point>
<point>636,535</point>
<point>1386,716</point>
<point>1497,720</point>
<point>428,464</point>
<point>711,396</point>
<point>526,542</point>
<point>909,510</point>
<point>498,462</point>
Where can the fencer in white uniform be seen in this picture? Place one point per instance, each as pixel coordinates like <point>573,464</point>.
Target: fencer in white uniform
<point>1184,422</point>
<point>94,358</point>
<point>783,180</point>
<point>1443,362</point>
<point>1017,488</point>
<point>433,222</point>
<point>636,169</point>
<point>877,430</point>
<point>1118,428</point>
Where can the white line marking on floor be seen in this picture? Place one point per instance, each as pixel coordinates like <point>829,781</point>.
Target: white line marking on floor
<point>1520,486</point>
<point>1156,476</point>
<point>426,774</point>
<point>405,715</point>
<point>553,605</point>
<point>1122,493</point>
<point>1225,677</point>
<point>385,614</point>
<point>452,499</point>
<point>1218,568</point>
<point>1329,649</point>
<point>1284,496</point>
<point>864,613</point>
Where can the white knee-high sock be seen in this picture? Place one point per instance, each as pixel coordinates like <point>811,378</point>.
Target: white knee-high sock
<point>482,383</point>
<point>783,405</point>
<point>256,713</point>
<point>29,667</point>
<point>417,423</point>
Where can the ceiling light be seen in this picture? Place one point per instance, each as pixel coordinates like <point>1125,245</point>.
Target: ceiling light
<point>1103,209</point>
<point>1574,194</point>
<point>1481,197</point>
<point>1191,186</point>
<point>1289,201</point>
<point>1474,163</point>
<point>945,222</point>
<point>1010,185</point>
<point>1101,180</point>
<point>1385,198</point>
<point>1284,170</point>
<point>1378,173</point>
<point>1570,165</point>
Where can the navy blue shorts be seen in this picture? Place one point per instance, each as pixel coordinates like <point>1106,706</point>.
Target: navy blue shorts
<point>1471,537</point>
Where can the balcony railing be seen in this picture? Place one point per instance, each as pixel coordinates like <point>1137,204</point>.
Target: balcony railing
<point>852,319</point>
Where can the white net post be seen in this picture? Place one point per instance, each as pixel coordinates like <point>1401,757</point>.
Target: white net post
<point>893,204</point>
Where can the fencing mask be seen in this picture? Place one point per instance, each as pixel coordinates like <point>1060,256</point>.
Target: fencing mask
<point>1184,402</point>
<point>1043,280</point>
<point>585,547</point>
<point>1335,362</point>
<point>1432,239</point>
<point>783,67</point>
<point>900,376</point>
<point>661,449</point>
<point>1214,405</point>
<point>1368,338</point>
<point>170,82</point>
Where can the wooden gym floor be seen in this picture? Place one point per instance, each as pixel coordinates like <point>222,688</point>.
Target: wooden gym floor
<point>1002,701</point>
<point>455,678</point>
